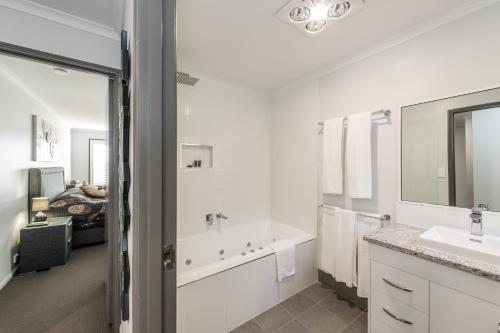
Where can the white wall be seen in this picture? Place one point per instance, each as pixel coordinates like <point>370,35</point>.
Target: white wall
<point>294,154</point>
<point>80,151</point>
<point>459,57</point>
<point>236,120</point>
<point>486,157</point>
<point>16,109</point>
<point>39,33</point>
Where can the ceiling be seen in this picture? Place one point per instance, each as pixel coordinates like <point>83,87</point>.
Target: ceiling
<point>242,41</point>
<point>108,13</point>
<point>79,98</point>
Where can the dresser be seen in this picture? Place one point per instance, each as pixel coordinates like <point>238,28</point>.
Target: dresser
<point>44,247</point>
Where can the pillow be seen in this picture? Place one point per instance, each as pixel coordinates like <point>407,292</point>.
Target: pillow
<point>93,191</point>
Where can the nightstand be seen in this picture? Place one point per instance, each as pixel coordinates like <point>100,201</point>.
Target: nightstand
<point>46,246</point>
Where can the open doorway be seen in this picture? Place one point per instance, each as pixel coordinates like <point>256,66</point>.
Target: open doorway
<point>58,214</point>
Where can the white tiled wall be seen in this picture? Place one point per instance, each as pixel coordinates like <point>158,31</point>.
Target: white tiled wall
<point>236,121</point>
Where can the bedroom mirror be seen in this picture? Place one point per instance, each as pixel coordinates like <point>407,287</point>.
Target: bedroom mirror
<point>55,259</point>
<point>450,151</point>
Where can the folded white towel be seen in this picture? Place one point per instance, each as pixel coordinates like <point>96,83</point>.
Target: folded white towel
<point>359,156</point>
<point>285,258</point>
<point>328,241</point>
<point>333,132</point>
<point>345,251</point>
<point>365,227</point>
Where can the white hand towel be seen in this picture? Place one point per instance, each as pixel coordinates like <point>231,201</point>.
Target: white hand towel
<point>359,156</point>
<point>328,241</point>
<point>285,258</point>
<point>345,251</point>
<point>332,156</point>
<point>365,227</point>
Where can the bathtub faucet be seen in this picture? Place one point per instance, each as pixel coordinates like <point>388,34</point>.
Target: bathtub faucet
<point>221,216</point>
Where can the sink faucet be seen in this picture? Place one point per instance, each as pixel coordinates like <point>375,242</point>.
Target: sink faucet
<point>476,227</point>
<point>221,216</point>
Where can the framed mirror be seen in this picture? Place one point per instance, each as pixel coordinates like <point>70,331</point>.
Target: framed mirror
<point>450,151</point>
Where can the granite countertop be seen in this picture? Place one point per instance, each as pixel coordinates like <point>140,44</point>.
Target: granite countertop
<point>404,238</point>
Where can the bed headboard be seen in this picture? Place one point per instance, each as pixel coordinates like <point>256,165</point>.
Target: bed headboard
<point>45,182</point>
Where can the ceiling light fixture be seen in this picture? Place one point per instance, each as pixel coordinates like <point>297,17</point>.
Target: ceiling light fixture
<point>60,71</point>
<point>315,26</point>
<point>321,2</point>
<point>339,10</point>
<point>300,14</point>
<point>312,16</point>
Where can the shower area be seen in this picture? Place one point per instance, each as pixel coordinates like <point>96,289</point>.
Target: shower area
<point>228,232</point>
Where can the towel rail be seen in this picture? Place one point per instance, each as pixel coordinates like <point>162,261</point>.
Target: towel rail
<point>382,217</point>
<point>385,114</point>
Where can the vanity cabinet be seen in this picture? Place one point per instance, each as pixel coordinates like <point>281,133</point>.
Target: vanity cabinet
<point>413,295</point>
<point>453,311</point>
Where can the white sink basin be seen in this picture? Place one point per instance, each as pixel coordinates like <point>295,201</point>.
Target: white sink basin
<point>463,243</point>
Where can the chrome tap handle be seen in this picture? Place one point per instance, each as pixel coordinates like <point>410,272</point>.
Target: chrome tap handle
<point>221,216</point>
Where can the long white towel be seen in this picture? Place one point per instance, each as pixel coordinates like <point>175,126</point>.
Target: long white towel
<point>365,227</point>
<point>345,251</point>
<point>285,258</point>
<point>332,156</point>
<point>328,241</point>
<point>359,156</point>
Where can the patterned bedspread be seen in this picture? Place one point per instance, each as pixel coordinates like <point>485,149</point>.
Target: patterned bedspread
<point>87,212</point>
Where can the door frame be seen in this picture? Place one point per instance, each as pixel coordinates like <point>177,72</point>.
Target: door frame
<point>452,200</point>
<point>154,118</point>
<point>113,229</point>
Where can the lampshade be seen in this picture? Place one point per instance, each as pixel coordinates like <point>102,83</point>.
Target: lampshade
<point>40,204</point>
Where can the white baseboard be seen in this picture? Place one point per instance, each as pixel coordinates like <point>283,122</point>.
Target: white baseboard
<point>6,280</point>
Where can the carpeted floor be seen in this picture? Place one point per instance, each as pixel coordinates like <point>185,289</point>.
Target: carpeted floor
<point>69,299</point>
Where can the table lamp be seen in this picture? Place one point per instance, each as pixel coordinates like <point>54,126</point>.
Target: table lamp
<point>39,205</point>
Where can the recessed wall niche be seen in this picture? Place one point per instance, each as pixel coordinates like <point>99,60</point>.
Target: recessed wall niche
<point>196,156</point>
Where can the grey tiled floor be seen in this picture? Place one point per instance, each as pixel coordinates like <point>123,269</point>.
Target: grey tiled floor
<point>313,310</point>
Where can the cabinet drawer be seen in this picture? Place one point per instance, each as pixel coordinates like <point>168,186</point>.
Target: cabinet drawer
<point>379,327</point>
<point>398,316</point>
<point>407,288</point>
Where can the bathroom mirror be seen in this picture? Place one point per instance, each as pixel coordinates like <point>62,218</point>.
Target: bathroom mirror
<point>450,151</point>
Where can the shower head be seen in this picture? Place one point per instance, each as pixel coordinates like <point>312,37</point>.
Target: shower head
<point>185,78</point>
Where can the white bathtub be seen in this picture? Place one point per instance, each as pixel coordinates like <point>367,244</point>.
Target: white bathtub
<point>228,276</point>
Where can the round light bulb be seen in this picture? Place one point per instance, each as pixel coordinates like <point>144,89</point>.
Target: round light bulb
<point>339,9</point>
<point>321,2</point>
<point>315,26</point>
<point>299,14</point>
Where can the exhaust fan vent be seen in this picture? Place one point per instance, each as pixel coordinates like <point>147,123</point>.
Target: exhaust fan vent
<point>185,78</point>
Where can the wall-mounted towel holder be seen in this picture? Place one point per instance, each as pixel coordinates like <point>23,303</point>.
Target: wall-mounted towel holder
<point>383,218</point>
<point>376,117</point>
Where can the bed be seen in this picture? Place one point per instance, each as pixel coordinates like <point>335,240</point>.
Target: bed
<point>89,214</point>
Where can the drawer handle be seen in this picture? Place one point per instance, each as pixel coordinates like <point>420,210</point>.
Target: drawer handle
<point>392,284</point>
<point>404,321</point>
<point>69,239</point>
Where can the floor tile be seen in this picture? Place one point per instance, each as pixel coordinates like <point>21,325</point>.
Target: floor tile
<point>319,320</point>
<point>316,292</point>
<point>344,309</point>
<point>361,324</point>
<point>349,330</point>
<point>274,318</point>
<point>297,304</point>
<point>248,327</point>
<point>293,327</point>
